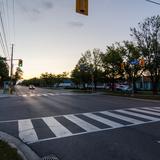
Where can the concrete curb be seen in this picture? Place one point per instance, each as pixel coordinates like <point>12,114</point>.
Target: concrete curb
<point>25,152</point>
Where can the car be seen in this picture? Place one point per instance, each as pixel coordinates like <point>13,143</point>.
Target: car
<point>31,87</point>
<point>124,88</point>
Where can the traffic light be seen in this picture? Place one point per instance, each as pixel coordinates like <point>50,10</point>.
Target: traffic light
<point>20,62</point>
<point>142,62</point>
<point>82,7</point>
<point>122,65</point>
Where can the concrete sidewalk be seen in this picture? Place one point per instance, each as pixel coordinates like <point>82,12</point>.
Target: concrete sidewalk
<point>2,95</point>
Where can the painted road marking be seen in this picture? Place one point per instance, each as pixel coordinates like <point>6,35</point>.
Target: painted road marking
<point>56,127</point>
<point>124,118</point>
<point>151,109</point>
<point>83,124</point>
<point>26,131</point>
<point>51,94</point>
<point>138,115</point>
<point>103,120</point>
<point>143,111</point>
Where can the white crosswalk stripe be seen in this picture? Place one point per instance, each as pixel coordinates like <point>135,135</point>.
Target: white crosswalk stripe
<point>124,118</point>
<point>143,111</point>
<point>51,94</point>
<point>83,124</point>
<point>57,128</point>
<point>104,120</point>
<point>157,108</point>
<point>152,109</point>
<point>26,131</point>
<point>138,115</point>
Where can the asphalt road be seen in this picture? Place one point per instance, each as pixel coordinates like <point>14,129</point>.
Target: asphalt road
<point>83,126</point>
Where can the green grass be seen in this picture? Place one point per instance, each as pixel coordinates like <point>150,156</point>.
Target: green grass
<point>8,153</point>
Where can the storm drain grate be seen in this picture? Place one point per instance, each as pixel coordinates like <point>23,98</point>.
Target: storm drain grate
<point>50,157</point>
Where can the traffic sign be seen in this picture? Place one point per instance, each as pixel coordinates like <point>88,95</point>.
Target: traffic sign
<point>134,62</point>
<point>82,7</point>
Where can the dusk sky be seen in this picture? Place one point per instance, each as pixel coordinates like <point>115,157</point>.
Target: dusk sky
<point>50,36</point>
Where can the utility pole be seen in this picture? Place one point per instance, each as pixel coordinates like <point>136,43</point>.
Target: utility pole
<point>11,71</point>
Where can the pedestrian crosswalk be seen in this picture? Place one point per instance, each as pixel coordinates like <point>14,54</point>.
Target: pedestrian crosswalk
<point>49,94</point>
<point>86,122</point>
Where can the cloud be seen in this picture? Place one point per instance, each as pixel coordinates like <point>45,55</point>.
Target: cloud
<point>47,4</point>
<point>76,24</point>
<point>35,9</point>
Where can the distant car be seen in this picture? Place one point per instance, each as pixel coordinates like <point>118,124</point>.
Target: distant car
<point>31,87</point>
<point>124,88</point>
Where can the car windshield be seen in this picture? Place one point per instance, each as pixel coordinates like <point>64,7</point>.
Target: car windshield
<point>80,79</point>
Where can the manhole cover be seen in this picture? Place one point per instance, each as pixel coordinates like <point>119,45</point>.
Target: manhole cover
<point>50,157</point>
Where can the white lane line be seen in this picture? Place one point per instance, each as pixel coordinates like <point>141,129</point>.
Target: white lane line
<point>152,109</point>
<point>24,95</point>
<point>83,124</point>
<point>103,120</point>
<point>31,95</point>
<point>143,111</point>
<point>138,115</point>
<point>51,94</point>
<point>124,118</point>
<point>56,127</point>
<point>26,131</point>
<point>44,95</point>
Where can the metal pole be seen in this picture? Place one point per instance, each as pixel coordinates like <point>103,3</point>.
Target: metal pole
<point>132,80</point>
<point>11,72</point>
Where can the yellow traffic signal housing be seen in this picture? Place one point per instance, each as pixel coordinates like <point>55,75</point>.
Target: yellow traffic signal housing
<point>142,62</point>
<point>82,7</point>
<point>122,65</point>
<point>20,63</point>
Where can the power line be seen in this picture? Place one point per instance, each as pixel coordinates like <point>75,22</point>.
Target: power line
<point>4,34</point>
<point>2,45</point>
<point>13,20</point>
<point>153,2</point>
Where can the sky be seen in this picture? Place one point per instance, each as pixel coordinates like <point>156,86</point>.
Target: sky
<point>50,36</point>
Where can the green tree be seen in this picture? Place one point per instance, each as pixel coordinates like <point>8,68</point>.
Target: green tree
<point>147,36</point>
<point>112,60</point>
<point>18,75</point>
<point>4,70</point>
<point>88,69</point>
<point>131,71</point>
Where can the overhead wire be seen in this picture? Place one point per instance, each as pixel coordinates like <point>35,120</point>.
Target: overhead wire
<point>4,35</point>
<point>153,2</point>
<point>13,21</point>
<point>3,38</point>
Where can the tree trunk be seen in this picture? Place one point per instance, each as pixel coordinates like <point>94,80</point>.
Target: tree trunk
<point>155,87</point>
<point>113,84</point>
